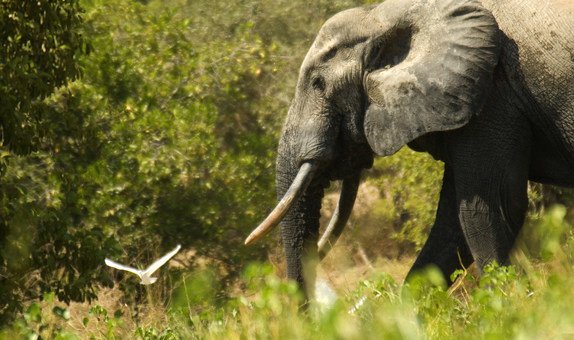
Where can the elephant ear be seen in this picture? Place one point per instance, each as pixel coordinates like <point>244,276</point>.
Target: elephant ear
<point>432,73</point>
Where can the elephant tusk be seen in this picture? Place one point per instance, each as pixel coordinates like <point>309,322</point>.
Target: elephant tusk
<point>340,216</point>
<point>294,192</point>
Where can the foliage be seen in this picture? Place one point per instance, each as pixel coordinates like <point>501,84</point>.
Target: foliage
<point>139,152</point>
<point>410,187</point>
<point>37,322</point>
<point>40,45</point>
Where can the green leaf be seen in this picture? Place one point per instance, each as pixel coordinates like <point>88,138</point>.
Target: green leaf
<point>63,313</point>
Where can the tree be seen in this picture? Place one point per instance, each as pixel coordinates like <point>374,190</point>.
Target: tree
<point>40,44</point>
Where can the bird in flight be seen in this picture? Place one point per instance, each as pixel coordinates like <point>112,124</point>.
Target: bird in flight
<point>145,275</point>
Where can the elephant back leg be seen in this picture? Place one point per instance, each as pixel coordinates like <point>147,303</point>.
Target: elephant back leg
<point>446,246</point>
<point>490,159</point>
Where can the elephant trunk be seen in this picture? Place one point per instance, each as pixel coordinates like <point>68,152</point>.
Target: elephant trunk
<point>300,227</point>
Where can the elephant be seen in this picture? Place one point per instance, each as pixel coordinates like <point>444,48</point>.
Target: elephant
<point>485,86</point>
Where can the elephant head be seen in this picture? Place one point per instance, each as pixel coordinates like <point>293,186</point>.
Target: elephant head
<point>374,79</point>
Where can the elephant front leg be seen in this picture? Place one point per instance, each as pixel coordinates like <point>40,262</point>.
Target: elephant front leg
<point>490,161</point>
<point>446,246</point>
<point>491,219</point>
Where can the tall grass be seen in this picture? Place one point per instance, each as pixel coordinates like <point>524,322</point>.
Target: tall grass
<point>533,299</point>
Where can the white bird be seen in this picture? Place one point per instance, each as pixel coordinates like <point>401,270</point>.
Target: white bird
<point>145,275</point>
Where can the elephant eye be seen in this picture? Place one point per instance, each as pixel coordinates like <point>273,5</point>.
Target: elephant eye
<point>318,83</point>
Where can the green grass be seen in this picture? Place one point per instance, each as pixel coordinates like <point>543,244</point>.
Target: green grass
<point>533,299</point>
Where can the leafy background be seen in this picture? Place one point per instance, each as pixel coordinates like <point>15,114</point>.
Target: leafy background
<point>130,126</point>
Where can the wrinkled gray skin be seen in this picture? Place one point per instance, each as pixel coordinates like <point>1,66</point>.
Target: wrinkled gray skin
<point>487,87</point>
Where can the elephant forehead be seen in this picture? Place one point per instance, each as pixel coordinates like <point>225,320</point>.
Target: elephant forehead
<point>357,25</point>
<point>328,46</point>
<point>345,29</point>
<point>345,22</point>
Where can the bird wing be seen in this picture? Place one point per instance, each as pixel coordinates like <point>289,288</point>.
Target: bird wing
<point>122,267</point>
<point>155,266</point>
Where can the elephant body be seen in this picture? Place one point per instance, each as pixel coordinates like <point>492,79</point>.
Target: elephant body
<point>538,61</point>
<point>524,132</point>
<point>485,86</point>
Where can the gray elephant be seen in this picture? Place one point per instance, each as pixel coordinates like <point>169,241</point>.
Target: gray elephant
<point>485,86</point>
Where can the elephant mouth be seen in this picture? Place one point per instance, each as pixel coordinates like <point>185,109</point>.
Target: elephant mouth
<point>302,180</point>
<point>350,163</point>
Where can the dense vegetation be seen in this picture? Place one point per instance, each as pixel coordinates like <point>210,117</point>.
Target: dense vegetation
<point>130,126</point>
